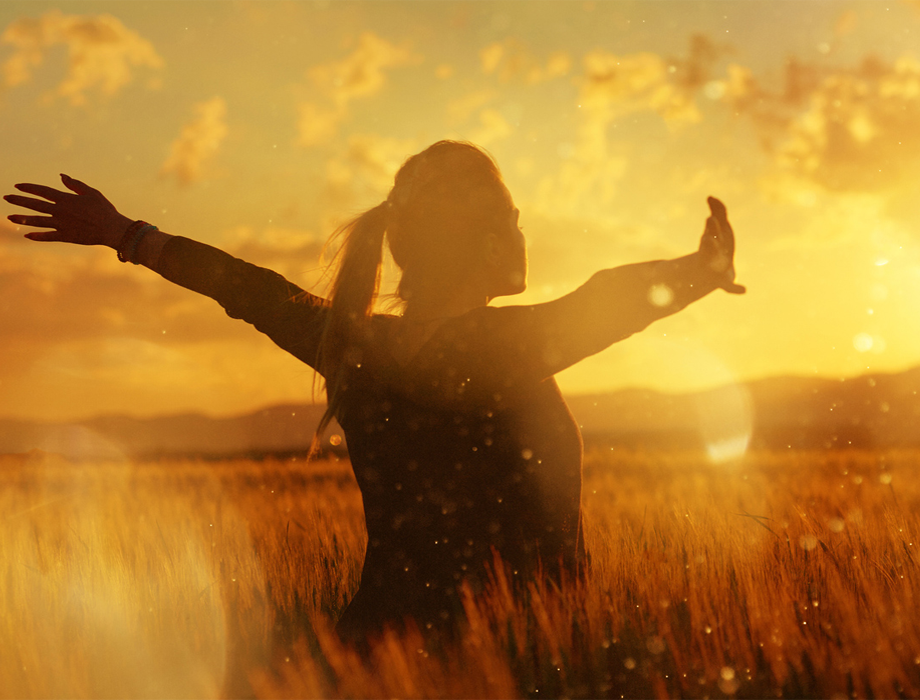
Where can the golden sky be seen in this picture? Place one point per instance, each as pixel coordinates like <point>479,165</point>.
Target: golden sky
<point>256,126</point>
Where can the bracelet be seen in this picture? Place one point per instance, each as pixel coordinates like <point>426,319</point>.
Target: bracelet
<point>132,238</point>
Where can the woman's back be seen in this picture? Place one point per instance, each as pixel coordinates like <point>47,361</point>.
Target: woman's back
<point>455,464</point>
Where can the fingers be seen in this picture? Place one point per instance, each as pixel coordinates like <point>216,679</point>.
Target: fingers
<point>714,238</point>
<point>76,185</point>
<point>720,233</point>
<point>43,236</point>
<point>717,208</point>
<point>43,191</point>
<point>713,227</point>
<point>24,220</point>
<point>35,205</point>
<point>30,203</point>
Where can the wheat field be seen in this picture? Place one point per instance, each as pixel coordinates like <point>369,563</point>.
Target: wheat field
<point>780,575</point>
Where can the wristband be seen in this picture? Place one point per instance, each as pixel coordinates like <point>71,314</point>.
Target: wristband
<point>132,238</point>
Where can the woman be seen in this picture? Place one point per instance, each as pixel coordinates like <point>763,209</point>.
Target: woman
<point>461,443</point>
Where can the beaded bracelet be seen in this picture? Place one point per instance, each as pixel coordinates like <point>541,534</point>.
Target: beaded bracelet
<point>132,238</point>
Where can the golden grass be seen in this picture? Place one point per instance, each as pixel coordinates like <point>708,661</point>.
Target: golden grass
<point>195,579</point>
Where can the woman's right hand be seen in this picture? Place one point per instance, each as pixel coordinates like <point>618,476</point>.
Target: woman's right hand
<point>83,216</point>
<point>717,247</point>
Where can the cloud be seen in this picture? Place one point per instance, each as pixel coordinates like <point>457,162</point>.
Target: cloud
<point>53,292</point>
<point>294,253</point>
<point>460,109</point>
<point>508,60</point>
<point>102,52</point>
<point>613,86</point>
<point>511,60</point>
<point>832,127</point>
<point>361,175</point>
<point>859,132</point>
<point>846,24</point>
<point>492,127</point>
<point>316,124</point>
<point>840,129</point>
<point>199,142</point>
<point>359,75</point>
<point>584,185</point>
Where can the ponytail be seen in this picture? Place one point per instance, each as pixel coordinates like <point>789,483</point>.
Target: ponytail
<point>354,289</point>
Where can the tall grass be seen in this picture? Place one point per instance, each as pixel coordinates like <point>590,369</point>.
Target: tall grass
<point>784,574</point>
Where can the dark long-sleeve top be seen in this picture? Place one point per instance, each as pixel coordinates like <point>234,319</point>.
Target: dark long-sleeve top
<point>468,450</point>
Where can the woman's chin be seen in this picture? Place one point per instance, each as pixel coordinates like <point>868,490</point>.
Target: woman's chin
<point>509,291</point>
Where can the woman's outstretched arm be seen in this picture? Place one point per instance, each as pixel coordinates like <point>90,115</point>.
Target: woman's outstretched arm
<point>612,305</point>
<point>292,318</point>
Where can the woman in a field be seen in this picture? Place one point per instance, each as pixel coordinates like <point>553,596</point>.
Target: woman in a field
<point>460,441</point>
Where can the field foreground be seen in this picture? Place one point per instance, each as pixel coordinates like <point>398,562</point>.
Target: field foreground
<point>782,575</point>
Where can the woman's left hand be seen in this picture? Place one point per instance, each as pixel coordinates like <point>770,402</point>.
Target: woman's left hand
<point>717,247</point>
<point>82,216</point>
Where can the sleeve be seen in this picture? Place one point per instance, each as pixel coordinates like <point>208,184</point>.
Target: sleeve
<point>536,342</point>
<point>291,317</point>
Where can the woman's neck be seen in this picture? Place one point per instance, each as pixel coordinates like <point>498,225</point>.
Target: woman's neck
<point>433,307</point>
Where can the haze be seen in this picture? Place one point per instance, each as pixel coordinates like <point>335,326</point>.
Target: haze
<point>257,126</point>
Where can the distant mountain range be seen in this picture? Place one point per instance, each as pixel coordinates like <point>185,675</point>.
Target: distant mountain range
<point>874,410</point>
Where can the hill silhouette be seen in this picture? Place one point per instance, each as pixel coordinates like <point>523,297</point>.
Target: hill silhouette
<point>870,411</point>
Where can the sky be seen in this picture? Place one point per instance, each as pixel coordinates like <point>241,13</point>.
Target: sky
<point>258,126</point>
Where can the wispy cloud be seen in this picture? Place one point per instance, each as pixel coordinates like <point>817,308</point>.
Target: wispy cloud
<point>492,127</point>
<point>62,296</point>
<point>318,124</point>
<point>616,85</point>
<point>102,52</point>
<point>362,173</point>
<point>859,132</point>
<point>292,252</point>
<point>337,84</point>
<point>374,160</point>
<point>840,129</point>
<point>510,60</point>
<point>199,142</point>
<point>611,87</point>
<point>461,108</point>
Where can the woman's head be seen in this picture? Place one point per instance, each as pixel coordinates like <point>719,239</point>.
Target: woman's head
<point>451,225</point>
<point>451,221</point>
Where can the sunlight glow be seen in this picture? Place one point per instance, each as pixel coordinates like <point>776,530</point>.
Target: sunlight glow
<point>661,295</point>
<point>728,449</point>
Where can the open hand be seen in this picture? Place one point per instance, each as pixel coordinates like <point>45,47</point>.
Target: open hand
<point>82,216</point>
<point>717,247</point>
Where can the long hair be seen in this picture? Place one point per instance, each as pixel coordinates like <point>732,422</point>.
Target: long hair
<point>435,220</point>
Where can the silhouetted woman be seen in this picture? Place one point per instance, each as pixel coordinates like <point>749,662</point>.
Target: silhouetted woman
<point>459,438</point>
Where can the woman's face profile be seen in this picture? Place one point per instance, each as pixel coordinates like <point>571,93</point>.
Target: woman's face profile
<point>507,260</point>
